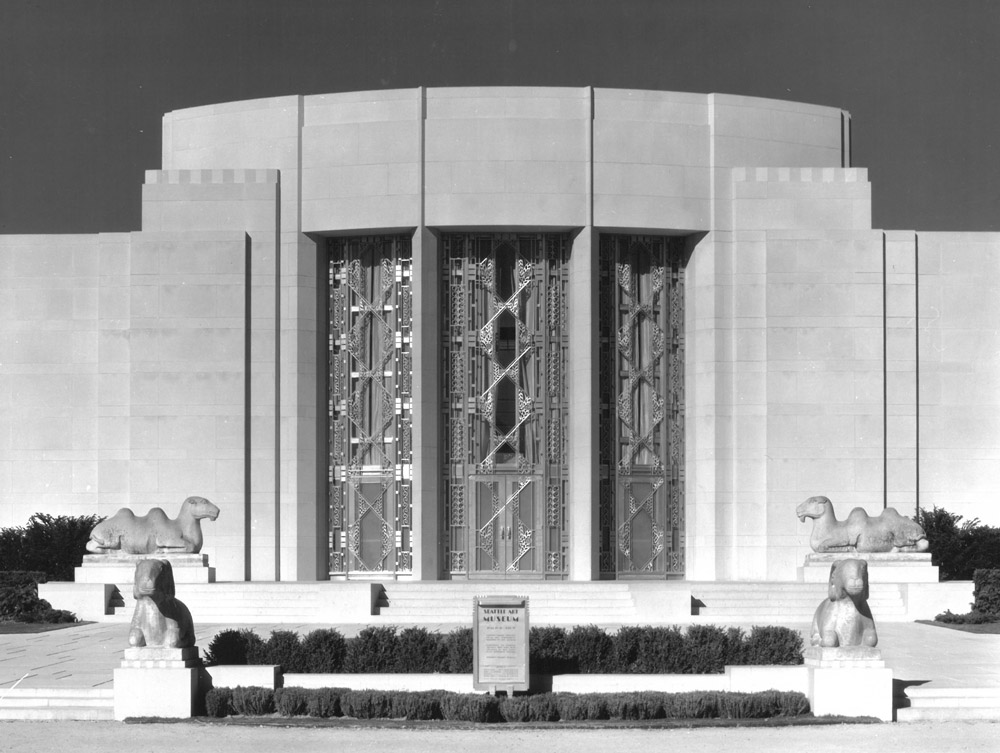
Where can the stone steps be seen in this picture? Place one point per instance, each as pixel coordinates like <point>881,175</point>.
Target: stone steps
<point>70,704</point>
<point>549,603</point>
<point>782,602</point>
<point>930,703</point>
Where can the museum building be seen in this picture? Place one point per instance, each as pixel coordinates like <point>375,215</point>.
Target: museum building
<point>486,333</point>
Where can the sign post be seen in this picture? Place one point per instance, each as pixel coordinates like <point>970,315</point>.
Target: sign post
<point>500,643</point>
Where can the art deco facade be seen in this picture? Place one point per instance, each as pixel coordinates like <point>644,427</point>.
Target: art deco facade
<point>502,333</point>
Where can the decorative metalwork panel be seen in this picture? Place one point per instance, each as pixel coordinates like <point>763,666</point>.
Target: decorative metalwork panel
<point>369,407</point>
<point>504,368</point>
<point>641,506</point>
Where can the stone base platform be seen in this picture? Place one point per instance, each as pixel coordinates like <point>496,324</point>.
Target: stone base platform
<point>120,568</point>
<point>849,681</point>
<point>897,567</point>
<point>157,682</point>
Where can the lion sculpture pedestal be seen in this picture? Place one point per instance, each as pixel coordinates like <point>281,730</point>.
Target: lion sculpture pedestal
<point>159,674</point>
<point>846,673</point>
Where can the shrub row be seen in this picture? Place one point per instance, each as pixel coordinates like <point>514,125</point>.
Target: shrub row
<point>51,544</point>
<point>703,649</point>
<point>19,602</point>
<point>985,608</point>
<point>544,707</point>
<point>959,547</point>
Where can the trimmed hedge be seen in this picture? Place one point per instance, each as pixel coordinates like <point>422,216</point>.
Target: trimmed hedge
<point>467,707</point>
<point>702,649</point>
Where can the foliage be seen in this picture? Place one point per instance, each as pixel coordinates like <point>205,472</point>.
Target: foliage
<point>372,650</point>
<point>771,644</point>
<point>462,707</point>
<point>418,650</point>
<point>703,649</point>
<point>468,707</point>
<point>986,591</point>
<point>548,654</point>
<point>217,702</point>
<point>19,602</point>
<point>251,701</point>
<point>241,646</point>
<point>959,548</point>
<point>592,648</point>
<point>458,644</point>
<point>284,648</point>
<point>325,651</point>
<point>53,544</point>
<point>968,618</point>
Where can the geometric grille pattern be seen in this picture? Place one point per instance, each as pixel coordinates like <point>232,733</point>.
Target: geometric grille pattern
<point>641,516</point>
<point>504,366</point>
<point>369,404</point>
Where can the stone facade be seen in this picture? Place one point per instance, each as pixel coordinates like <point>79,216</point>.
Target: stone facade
<point>820,356</point>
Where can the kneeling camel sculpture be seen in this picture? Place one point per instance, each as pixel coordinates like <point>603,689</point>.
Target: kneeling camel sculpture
<point>889,532</point>
<point>153,533</point>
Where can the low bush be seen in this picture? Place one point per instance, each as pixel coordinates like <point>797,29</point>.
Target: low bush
<point>458,645</point>
<point>325,702</point>
<point>251,701</point>
<point>284,648</point>
<point>986,590</point>
<point>372,650</point>
<point>592,648</point>
<point>703,649</point>
<point>291,701</point>
<point>418,650</point>
<point>325,651</point>
<point>461,707</point>
<point>217,702</point>
<point>548,653</point>
<point>19,602</point>
<point>241,646</point>
<point>967,618</point>
<point>542,707</point>
<point>771,644</point>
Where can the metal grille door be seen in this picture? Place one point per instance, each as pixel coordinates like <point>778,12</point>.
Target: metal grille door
<point>504,377</point>
<point>642,406</point>
<point>369,405</point>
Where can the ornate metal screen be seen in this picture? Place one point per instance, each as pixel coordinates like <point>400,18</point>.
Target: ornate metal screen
<point>369,404</point>
<point>642,406</point>
<point>504,372</point>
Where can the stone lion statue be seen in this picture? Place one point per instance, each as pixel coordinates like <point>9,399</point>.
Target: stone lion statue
<point>153,533</point>
<point>844,618</point>
<point>159,620</point>
<point>889,532</point>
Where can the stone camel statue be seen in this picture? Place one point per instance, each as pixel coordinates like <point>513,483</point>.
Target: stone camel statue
<point>844,618</point>
<point>154,532</point>
<point>889,532</point>
<point>159,620</point>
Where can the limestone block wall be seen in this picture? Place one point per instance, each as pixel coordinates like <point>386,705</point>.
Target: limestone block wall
<point>957,338</point>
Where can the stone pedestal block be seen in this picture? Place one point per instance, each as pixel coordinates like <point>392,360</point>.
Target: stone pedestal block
<point>849,681</point>
<point>120,568</point>
<point>167,693</point>
<point>900,567</point>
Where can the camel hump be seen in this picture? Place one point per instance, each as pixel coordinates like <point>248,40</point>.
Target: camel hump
<point>123,514</point>
<point>156,515</point>
<point>858,514</point>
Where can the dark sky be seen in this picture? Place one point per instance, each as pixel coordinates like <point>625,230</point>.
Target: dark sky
<point>83,84</point>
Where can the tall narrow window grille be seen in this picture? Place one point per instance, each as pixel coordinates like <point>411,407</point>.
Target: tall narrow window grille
<point>504,380</point>
<point>369,405</point>
<point>641,504</point>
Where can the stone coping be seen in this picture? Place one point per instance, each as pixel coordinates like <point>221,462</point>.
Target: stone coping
<point>872,558</point>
